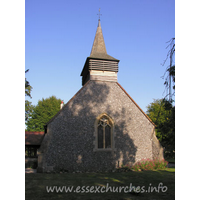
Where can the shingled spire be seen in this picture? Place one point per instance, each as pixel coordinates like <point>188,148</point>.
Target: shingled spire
<point>100,65</point>
<point>99,46</point>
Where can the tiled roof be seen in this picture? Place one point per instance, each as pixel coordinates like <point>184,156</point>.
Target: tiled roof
<point>33,138</point>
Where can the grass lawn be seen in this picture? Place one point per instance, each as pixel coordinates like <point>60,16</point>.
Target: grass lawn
<point>36,185</point>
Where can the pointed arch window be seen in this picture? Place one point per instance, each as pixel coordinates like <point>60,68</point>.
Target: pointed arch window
<point>104,133</point>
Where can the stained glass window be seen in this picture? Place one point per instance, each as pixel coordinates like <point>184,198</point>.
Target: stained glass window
<point>108,137</point>
<point>104,132</point>
<point>100,137</point>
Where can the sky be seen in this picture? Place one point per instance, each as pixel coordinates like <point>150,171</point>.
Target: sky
<point>59,35</point>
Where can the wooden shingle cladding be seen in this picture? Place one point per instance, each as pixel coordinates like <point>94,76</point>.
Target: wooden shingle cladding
<point>99,65</point>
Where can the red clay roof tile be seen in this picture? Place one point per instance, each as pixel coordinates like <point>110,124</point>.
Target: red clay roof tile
<point>33,138</point>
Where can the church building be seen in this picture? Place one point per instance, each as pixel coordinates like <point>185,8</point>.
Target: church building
<point>101,127</point>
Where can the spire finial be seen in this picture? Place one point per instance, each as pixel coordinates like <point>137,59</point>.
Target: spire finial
<point>99,13</point>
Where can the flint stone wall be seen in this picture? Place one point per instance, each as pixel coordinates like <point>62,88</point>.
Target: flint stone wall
<point>69,142</point>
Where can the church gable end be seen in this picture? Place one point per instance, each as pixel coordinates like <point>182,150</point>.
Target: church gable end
<point>101,127</point>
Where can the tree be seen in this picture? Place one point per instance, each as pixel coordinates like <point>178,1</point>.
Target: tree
<point>169,74</point>
<point>162,113</point>
<point>28,109</point>
<point>42,113</point>
<point>28,106</point>
<point>28,88</point>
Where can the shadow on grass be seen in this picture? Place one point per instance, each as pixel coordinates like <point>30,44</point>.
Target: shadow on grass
<point>36,185</point>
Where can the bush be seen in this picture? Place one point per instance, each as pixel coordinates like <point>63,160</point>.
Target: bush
<point>145,164</point>
<point>148,164</point>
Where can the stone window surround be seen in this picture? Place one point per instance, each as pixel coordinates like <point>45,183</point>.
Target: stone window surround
<point>112,149</point>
